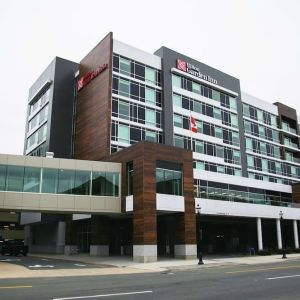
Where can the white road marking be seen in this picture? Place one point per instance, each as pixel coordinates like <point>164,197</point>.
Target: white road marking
<point>11,259</point>
<point>79,265</point>
<point>45,259</point>
<point>41,266</point>
<point>105,295</point>
<point>282,277</point>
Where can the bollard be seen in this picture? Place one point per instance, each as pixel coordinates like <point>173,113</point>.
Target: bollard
<point>200,259</point>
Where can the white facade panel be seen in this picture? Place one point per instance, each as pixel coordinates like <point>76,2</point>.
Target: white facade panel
<point>169,202</point>
<point>261,104</point>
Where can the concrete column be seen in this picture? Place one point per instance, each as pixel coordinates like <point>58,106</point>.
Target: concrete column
<point>144,253</point>
<point>185,251</point>
<point>279,240</point>
<point>296,239</point>
<point>259,235</point>
<point>61,237</point>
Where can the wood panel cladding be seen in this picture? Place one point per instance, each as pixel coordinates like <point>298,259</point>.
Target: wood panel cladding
<point>93,108</point>
<point>144,156</point>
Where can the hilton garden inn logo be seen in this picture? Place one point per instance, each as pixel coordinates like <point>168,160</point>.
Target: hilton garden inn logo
<point>195,71</point>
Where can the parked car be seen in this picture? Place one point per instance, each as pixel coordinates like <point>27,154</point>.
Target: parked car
<point>13,247</point>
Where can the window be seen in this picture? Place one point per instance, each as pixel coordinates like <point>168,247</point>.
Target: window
<point>235,138</point>
<point>236,157</point>
<point>50,181</point>
<point>234,120</point>
<point>82,183</point>
<point>247,125</point>
<point>150,75</point>
<point>150,117</point>
<point>177,101</point>
<point>220,169</point>
<point>123,134</point>
<point>264,164</point>
<point>216,95</point>
<point>105,184</point>
<point>197,107</point>
<point>220,151</point>
<point>237,172</point>
<point>232,103</point>
<point>150,136</point>
<point>178,121</point>
<point>260,115</point>
<point>250,161</point>
<point>150,96</point>
<point>65,181</point>
<point>124,66</point>
<point>261,130</point>
<point>32,180</point>
<point>124,87</point>
<point>176,81</point>
<point>200,165</point>
<point>246,109</point>
<point>219,132</point>
<point>273,120</point>
<point>248,143</point>
<point>168,182</point>
<point>196,88</point>
<point>178,141</point>
<point>217,113</point>
<point>15,177</point>
<point>199,146</point>
<point>263,148</point>
<point>124,110</point>
<point>2,177</point>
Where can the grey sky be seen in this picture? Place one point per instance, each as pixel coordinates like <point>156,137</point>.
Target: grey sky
<point>256,41</point>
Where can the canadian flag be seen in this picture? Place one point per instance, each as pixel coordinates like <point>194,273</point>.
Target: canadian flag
<point>194,127</point>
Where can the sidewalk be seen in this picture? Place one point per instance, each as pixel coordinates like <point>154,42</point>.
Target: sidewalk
<point>125,265</point>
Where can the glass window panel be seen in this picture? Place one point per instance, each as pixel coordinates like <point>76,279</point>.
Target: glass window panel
<point>150,136</point>
<point>250,161</point>
<point>82,183</point>
<point>219,132</point>
<point>234,120</point>
<point>246,109</point>
<point>261,130</point>
<point>247,125</point>
<point>197,107</point>
<point>123,134</point>
<point>2,177</point>
<point>232,103</point>
<point>220,169</point>
<point>98,183</point>
<point>50,181</point>
<point>124,66</point>
<point>264,164</point>
<point>237,157</point>
<point>150,117</point>
<point>260,115</point>
<point>248,143</point>
<point>65,181</point>
<point>196,88</point>
<point>177,101</point>
<point>200,165</point>
<point>15,177</point>
<point>199,146</point>
<point>176,81</point>
<point>32,180</point>
<point>150,75</point>
<point>150,96</point>
<point>112,184</point>
<point>178,141</point>
<point>124,110</point>
<point>178,121</point>
<point>237,172</point>
<point>220,151</point>
<point>124,87</point>
<point>216,95</point>
<point>263,148</point>
<point>273,120</point>
<point>217,113</point>
<point>177,183</point>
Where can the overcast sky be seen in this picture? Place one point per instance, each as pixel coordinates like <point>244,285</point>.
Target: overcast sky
<point>257,41</point>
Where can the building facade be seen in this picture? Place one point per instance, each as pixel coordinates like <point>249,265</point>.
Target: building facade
<point>186,137</point>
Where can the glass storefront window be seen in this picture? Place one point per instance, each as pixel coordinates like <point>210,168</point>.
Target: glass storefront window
<point>150,96</point>
<point>49,181</point>
<point>15,178</point>
<point>105,184</point>
<point>82,183</point>
<point>65,181</point>
<point>2,177</point>
<point>32,180</point>
<point>150,75</point>
<point>124,66</point>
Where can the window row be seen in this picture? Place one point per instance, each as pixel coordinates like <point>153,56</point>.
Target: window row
<point>37,137</point>
<point>129,134</point>
<point>287,127</point>
<point>44,98</point>
<point>263,148</point>
<point>136,70</point>
<point>39,151</point>
<point>228,136</point>
<point>193,86</point>
<point>229,155</point>
<point>259,115</point>
<point>293,143</point>
<point>58,181</point>
<point>212,167</point>
<point>271,178</point>
<point>261,131</point>
<point>227,118</point>
<point>136,113</point>
<point>38,119</point>
<point>270,166</point>
<point>227,192</point>
<point>136,91</point>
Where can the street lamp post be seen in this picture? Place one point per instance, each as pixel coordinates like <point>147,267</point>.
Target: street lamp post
<point>200,262</point>
<point>281,223</point>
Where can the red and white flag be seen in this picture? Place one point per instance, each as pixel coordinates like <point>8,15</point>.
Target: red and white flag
<point>194,127</point>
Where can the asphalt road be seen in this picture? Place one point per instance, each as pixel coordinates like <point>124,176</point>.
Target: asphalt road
<point>264,281</point>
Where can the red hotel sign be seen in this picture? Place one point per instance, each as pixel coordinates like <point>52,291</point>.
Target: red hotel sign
<point>87,78</point>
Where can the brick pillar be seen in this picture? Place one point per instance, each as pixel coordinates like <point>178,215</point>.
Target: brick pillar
<point>186,244</point>
<point>100,226</point>
<point>144,207</point>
